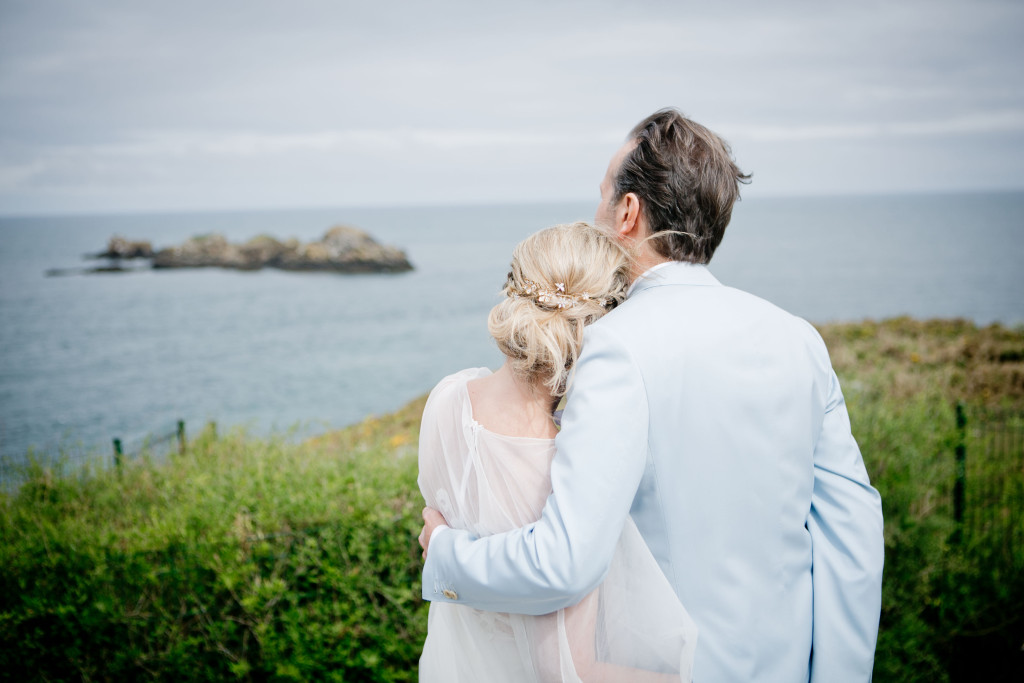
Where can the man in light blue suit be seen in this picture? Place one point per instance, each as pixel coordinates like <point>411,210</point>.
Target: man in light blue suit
<point>713,418</point>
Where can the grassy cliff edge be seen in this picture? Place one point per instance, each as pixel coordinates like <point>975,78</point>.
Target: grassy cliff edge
<point>259,559</point>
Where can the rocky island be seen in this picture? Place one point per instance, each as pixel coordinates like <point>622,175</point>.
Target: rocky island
<point>342,249</point>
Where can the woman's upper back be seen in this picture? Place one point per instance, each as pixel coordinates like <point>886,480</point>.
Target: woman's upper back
<point>506,405</point>
<point>481,480</point>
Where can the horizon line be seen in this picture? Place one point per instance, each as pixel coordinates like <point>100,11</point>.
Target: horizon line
<point>86,213</point>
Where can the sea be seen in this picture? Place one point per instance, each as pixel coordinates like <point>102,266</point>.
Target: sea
<point>87,358</point>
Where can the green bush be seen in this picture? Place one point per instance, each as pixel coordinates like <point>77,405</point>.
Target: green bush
<point>258,559</point>
<point>951,610</point>
<point>245,559</point>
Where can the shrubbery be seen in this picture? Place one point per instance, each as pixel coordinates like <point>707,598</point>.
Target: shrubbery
<point>244,559</point>
<point>950,610</point>
<point>258,559</point>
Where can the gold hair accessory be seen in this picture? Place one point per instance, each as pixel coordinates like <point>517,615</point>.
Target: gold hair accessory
<point>555,298</point>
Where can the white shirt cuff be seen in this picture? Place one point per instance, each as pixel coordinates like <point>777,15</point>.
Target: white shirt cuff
<point>438,529</point>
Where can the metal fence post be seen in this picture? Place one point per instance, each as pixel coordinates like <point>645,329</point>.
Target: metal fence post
<point>118,454</point>
<point>960,484</point>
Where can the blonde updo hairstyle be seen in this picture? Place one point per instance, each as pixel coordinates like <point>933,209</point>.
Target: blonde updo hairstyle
<point>586,270</point>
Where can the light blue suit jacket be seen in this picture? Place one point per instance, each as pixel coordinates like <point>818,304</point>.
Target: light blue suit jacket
<point>716,420</point>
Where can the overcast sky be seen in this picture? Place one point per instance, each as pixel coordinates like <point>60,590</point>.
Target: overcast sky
<point>139,105</point>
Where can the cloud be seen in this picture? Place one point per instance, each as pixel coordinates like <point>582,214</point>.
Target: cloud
<point>532,96</point>
<point>975,124</point>
<point>247,145</point>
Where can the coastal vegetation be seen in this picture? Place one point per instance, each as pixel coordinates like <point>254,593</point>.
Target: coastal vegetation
<point>261,559</point>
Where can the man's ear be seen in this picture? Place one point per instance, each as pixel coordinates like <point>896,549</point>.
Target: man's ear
<point>630,224</point>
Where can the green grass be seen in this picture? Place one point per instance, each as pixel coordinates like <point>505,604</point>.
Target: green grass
<point>259,559</point>
<point>245,559</point>
<point>949,610</point>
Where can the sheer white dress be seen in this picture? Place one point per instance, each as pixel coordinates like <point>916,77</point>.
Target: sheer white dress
<point>630,627</point>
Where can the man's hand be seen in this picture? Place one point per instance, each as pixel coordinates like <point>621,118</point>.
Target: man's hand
<point>431,520</point>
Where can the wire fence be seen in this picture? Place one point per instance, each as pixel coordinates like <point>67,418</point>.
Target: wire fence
<point>988,491</point>
<point>169,439</point>
<point>988,494</point>
<point>153,444</point>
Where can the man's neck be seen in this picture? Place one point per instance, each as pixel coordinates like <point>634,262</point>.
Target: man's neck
<point>645,261</point>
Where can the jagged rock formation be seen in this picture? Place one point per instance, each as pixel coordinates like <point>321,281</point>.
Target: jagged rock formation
<point>342,249</point>
<point>120,248</point>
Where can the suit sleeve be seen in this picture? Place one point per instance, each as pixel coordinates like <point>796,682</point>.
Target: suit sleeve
<point>847,548</point>
<point>601,455</point>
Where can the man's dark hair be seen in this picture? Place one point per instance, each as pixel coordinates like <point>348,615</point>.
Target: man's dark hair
<point>687,183</point>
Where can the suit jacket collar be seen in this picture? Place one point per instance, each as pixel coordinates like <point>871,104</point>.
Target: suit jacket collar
<point>674,273</point>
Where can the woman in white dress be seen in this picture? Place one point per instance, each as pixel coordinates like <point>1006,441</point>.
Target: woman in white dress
<point>486,444</point>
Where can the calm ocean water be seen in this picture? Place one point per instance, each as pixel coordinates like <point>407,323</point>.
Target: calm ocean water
<point>87,358</point>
